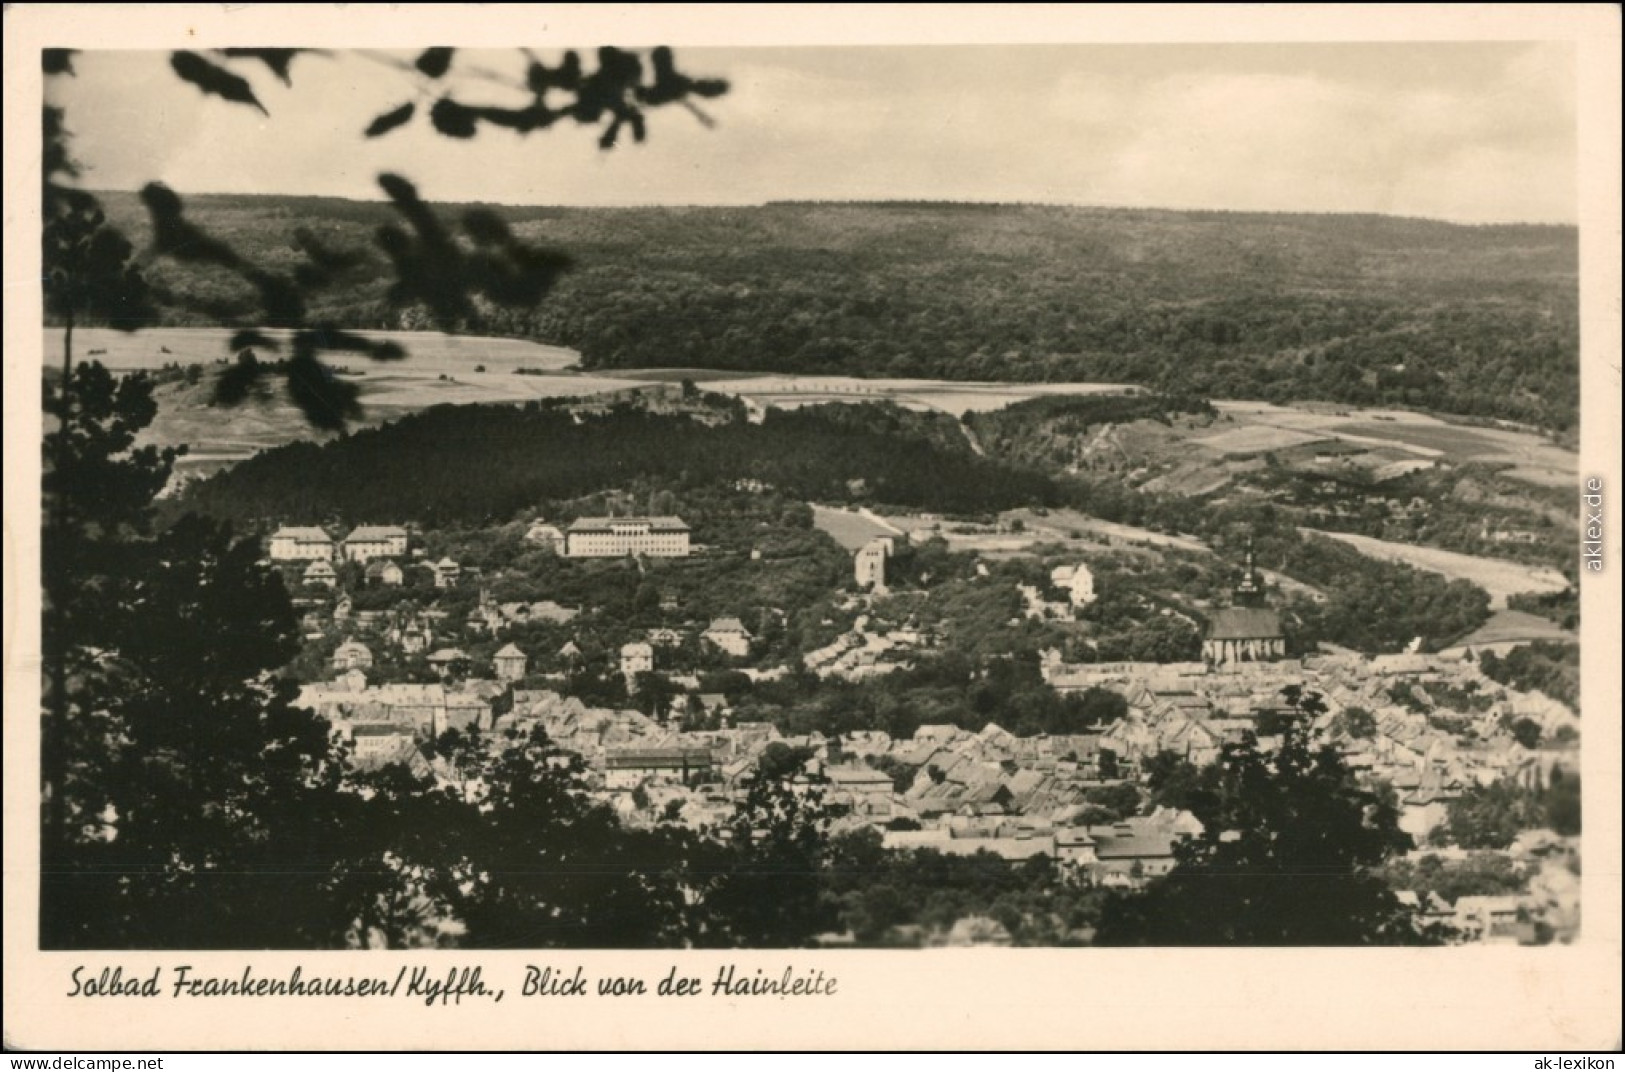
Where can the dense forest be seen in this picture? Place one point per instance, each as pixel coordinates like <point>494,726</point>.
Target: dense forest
<point>477,463</point>
<point>1356,309</point>
<point>460,466</point>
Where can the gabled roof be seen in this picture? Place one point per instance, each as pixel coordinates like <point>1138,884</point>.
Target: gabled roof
<point>1244,623</point>
<point>301,532</point>
<point>377,532</point>
<point>727,625</point>
<point>510,651</point>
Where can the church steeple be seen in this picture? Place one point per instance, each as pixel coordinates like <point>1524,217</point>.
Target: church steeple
<point>1250,592</point>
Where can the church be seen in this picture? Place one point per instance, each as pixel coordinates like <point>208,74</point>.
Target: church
<point>1247,631</point>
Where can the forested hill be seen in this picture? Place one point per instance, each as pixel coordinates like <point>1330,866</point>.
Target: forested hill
<point>482,463</point>
<point>1476,320</point>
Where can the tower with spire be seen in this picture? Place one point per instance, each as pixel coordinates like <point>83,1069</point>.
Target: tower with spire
<point>1248,630</point>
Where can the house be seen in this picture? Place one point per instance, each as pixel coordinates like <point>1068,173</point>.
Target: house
<point>373,738</point>
<point>300,544</point>
<point>627,767</point>
<point>321,572</point>
<point>612,537</point>
<point>368,542</point>
<point>446,573</point>
<point>729,635</point>
<point>541,611</point>
<point>549,536</point>
<point>342,607</point>
<point>415,638</point>
<point>1486,918</point>
<point>1074,845</point>
<point>869,563</point>
<point>510,663</point>
<point>1076,581</point>
<point>380,745</point>
<point>385,572</point>
<point>352,655</point>
<point>449,660</point>
<point>636,658</point>
<point>1133,851</point>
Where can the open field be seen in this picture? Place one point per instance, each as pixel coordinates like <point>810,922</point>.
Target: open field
<point>441,369</point>
<point>953,397</point>
<point>1496,576</point>
<point>1256,439</point>
<point>1515,626</point>
<point>429,352</point>
<point>1066,524</point>
<point>1529,457</point>
<point>850,528</point>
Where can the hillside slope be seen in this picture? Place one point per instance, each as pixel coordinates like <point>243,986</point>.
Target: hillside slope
<point>1354,309</point>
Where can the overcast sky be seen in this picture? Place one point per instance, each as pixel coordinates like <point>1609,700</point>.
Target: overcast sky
<point>1478,132</point>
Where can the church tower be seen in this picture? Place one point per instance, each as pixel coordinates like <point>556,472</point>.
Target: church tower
<point>1248,630</point>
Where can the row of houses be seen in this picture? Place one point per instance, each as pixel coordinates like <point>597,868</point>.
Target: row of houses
<point>310,543</point>
<point>1429,757</point>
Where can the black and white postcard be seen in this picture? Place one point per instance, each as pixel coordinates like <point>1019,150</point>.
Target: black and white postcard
<point>961,526</point>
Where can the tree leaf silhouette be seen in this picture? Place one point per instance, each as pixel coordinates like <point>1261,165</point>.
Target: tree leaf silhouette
<point>452,119</point>
<point>434,62</point>
<point>326,401</point>
<point>242,340</point>
<point>175,236</point>
<point>214,79</point>
<point>236,382</point>
<point>57,60</point>
<point>390,120</point>
<point>567,75</point>
<point>277,59</point>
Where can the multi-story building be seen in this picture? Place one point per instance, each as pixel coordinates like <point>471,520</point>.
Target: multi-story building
<point>869,564</point>
<point>293,543</point>
<point>611,537</point>
<point>375,541</point>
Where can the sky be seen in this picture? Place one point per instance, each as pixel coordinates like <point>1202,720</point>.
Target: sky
<point>1474,132</point>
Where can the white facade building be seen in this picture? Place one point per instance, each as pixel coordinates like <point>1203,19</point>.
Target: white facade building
<point>611,537</point>
<point>293,543</point>
<point>375,541</point>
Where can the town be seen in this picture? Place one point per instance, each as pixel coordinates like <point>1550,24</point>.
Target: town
<point>671,713</point>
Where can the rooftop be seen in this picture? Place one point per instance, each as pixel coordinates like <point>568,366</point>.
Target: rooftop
<point>1244,623</point>
<point>608,524</point>
<point>297,532</point>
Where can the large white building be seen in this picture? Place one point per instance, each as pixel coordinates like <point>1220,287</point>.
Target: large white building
<point>375,541</point>
<point>293,543</point>
<point>611,537</point>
